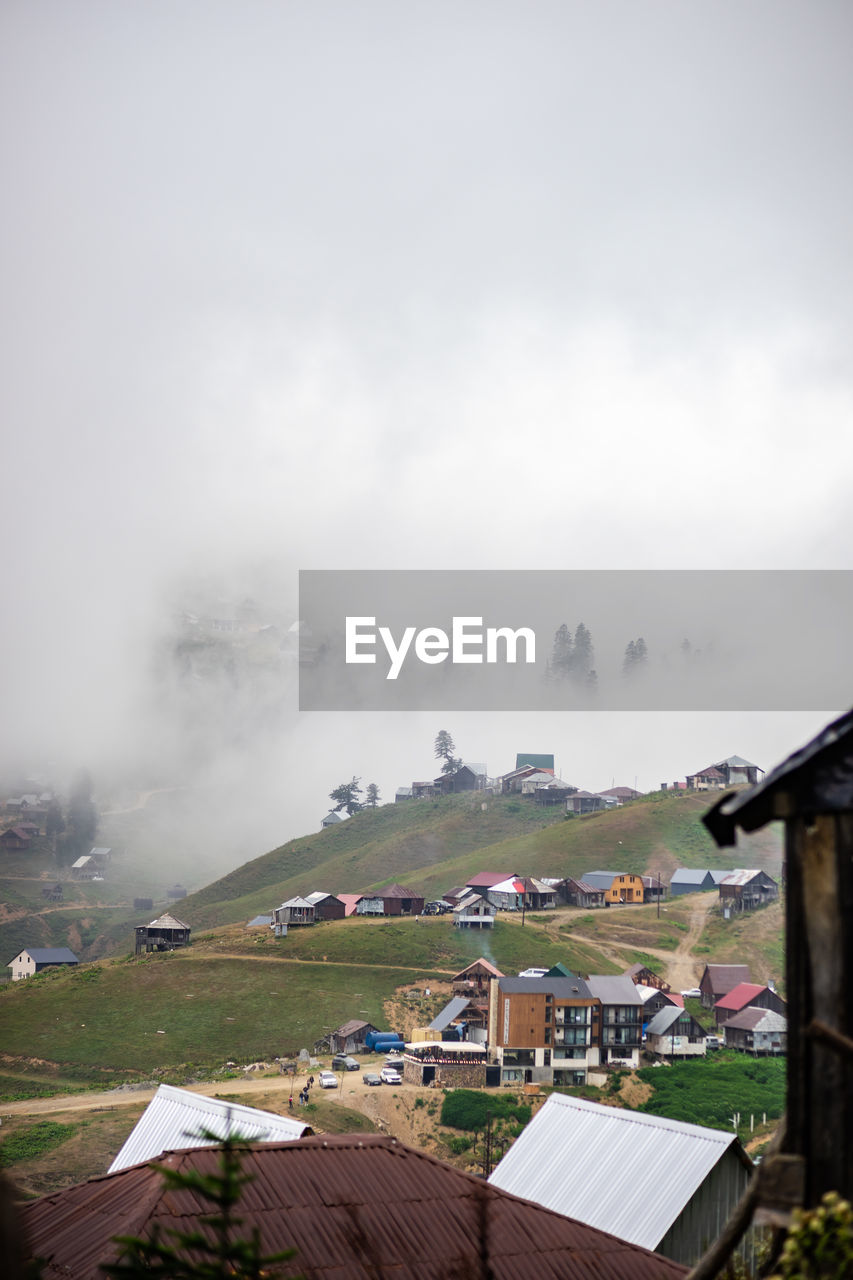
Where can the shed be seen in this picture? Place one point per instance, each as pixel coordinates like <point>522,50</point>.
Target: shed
<point>660,1183</point>
<point>176,1118</point>
<point>746,890</point>
<point>327,906</point>
<point>333,818</point>
<point>354,1205</point>
<point>163,934</point>
<point>400,901</point>
<point>293,912</point>
<point>350,1038</point>
<point>690,880</point>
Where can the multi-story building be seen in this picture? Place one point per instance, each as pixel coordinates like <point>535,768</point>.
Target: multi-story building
<point>621,1023</point>
<point>544,1029</point>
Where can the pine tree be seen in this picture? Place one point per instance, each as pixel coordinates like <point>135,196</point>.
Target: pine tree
<point>562,653</point>
<point>583,656</point>
<point>371,796</point>
<point>444,748</point>
<point>345,797</point>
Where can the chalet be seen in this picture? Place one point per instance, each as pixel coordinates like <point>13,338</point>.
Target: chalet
<point>745,890</point>
<point>474,912</point>
<point>484,880</point>
<point>675,1033</point>
<point>326,906</point>
<point>399,901</point>
<point>538,778</point>
<point>654,1000</point>
<point>15,838</point>
<point>621,1026</point>
<point>619,887</point>
<point>644,976</point>
<point>350,1037</point>
<point>521,893</point>
<point>425,790</point>
<point>295,911</point>
<point>36,959</point>
<point>758,1031</point>
<point>511,782</point>
<point>719,979</point>
<point>697,1174</point>
<point>354,1205</point>
<point>163,934</point>
<point>744,995</point>
<point>475,979</point>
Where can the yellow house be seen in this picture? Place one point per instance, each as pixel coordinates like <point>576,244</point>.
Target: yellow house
<point>625,888</point>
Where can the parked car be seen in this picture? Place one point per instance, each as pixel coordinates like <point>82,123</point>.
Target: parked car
<point>343,1062</point>
<point>713,1042</point>
<point>692,993</point>
<point>395,1063</point>
<point>533,973</point>
<point>370,1077</point>
<point>328,1080</point>
<point>390,1076</point>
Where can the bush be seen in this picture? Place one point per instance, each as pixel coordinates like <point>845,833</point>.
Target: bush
<point>469,1110</point>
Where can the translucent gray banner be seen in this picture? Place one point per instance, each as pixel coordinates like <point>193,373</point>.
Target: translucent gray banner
<point>657,640</point>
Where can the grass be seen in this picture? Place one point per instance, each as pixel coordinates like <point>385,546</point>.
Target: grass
<point>710,1091</point>
<point>33,1141</point>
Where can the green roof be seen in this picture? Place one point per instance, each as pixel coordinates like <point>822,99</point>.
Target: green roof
<point>538,761</point>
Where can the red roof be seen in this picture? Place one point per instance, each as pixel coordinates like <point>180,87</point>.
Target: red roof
<point>395,891</point>
<point>353,1206</point>
<point>740,996</point>
<point>482,963</point>
<point>488,879</point>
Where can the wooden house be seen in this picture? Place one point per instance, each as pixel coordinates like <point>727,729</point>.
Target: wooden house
<point>745,994</point>
<point>643,976</point>
<point>475,978</point>
<point>625,888</point>
<point>468,777</point>
<point>579,893</point>
<point>675,1033</point>
<point>758,1031</point>
<point>397,900</point>
<point>350,1037</point>
<point>746,890</point>
<point>719,979</point>
<point>166,933</point>
<point>474,912</point>
<point>15,838</point>
<point>296,911</point>
<point>327,906</point>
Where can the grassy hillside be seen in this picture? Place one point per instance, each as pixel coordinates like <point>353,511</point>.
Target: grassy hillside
<point>432,845</point>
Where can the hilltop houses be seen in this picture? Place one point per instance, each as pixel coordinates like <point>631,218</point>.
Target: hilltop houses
<point>166,933</point>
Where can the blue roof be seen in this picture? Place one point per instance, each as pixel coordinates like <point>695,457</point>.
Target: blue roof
<point>51,955</point>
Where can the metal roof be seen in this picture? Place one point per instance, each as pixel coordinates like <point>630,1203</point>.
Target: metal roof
<point>50,955</point>
<point>166,921</point>
<point>754,1019</point>
<point>740,996</point>
<point>722,977</point>
<point>354,1206</point>
<point>637,1173</point>
<point>663,1020</point>
<point>175,1117</point>
<point>257,921</point>
<point>450,1011</point>
<point>573,988</point>
<point>614,990</point>
<point>691,875</point>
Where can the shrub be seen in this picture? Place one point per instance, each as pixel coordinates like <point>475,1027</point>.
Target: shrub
<point>469,1110</point>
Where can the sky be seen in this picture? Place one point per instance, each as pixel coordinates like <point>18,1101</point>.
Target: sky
<point>405,286</point>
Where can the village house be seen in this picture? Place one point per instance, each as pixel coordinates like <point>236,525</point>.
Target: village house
<point>326,906</point>
<point>84,868</point>
<point>622,794</point>
<point>644,976</point>
<point>719,979</point>
<point>553,793</point>
<point>660,1183</point>
<point>474,912</point>
<point>296,911</point>
<point>15,838</point>
<point>333,819</point>
<point>166,933</point>
<point>581,802</point>
<point>577,893</point>
<point>36,959</point>
<point>731,772</point>
<point>350,1037</point>
<point>675,1033</point>
<point>689,880</point>
<point>757,1031</point>
<point>397,900</point>
<point>745,994</point>
<point>620,888</point>
<point>745,890</point>
<point>475,979</point>
<point>468,777</point>
<point>654,1000</point>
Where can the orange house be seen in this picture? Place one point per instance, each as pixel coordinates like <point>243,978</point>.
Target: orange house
<point>625,888</point>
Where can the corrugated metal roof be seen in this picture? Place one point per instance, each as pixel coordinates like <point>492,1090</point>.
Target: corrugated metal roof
<point>450,1011</point>
<point>740,996</point>
<point>573,988</point>
<point>663,1020</point>
<point>690,875</point>
<point>353,1207</point>
<point>174,1117</point>
<point>167,921</point>
<point>636,1175</point>
<point>755,1019</point>
<point>722,977</point>
<point>740,876</point>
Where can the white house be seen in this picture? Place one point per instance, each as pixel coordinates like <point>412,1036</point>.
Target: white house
<point>35,959</point>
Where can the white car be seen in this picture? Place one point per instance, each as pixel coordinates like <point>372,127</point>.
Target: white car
<point>533,973</point>
<point>389,1076</point>
<point>328,1080</point>
<point>692,993</point>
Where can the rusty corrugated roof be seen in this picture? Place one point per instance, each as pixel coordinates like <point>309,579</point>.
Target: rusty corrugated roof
<point>353,1206</point>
